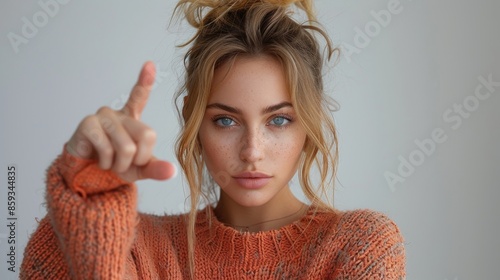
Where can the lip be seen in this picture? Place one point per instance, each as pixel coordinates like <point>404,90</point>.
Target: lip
<point>252,180</point>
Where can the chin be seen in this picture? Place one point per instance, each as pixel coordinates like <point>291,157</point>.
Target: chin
<point>249,200</point>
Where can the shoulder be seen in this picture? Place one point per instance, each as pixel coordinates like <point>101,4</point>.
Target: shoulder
<point>367,222</point>
<point>373,242</point>
<point>369,227</point>
<point>358,226</point>
<point>357,222</point>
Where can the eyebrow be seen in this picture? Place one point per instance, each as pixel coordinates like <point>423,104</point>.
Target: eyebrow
<point>234,110</point>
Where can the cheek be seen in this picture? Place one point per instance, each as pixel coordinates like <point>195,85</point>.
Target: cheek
<point>219,156</point>
<point>288,147</point>
<point>217,151</point>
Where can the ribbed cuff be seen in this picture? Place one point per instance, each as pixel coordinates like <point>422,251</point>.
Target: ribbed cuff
<point>85,177</point>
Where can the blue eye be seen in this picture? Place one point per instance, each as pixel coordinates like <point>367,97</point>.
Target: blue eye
<point>279,121</point>
<point>224,121</point>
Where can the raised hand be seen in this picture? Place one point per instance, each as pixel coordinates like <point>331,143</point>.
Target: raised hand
<point>119,140</point>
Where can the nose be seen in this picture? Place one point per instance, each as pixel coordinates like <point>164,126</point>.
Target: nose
<point>252,146</point>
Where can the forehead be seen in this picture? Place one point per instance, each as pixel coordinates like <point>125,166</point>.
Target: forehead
<point>247,78</point>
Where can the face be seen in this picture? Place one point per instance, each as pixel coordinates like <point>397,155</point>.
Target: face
<point>250,136</point>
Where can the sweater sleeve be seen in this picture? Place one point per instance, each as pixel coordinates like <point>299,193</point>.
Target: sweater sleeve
<point>375,249</point>
<point>90,224</point>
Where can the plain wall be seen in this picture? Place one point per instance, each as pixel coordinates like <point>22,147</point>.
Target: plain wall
<point>400,81</point>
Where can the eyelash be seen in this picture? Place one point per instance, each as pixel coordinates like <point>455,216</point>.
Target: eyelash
<point>215,119</point>
<point>285,116</point>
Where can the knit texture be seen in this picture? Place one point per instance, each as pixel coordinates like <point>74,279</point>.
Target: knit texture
<point>92,230</point>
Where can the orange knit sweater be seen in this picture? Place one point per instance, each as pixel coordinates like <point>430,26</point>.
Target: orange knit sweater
<point>93,231</point>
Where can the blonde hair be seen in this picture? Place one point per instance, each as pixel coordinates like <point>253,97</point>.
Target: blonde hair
<point>227,28</point>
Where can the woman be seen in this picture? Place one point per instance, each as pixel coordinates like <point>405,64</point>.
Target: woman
<point>254,113</point>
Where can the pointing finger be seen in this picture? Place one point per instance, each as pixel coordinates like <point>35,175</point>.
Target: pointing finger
<point>140,92</point>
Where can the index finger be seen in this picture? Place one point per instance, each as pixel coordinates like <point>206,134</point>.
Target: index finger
<point>140,92</point>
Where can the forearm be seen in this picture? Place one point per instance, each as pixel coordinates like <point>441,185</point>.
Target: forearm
<point>93,215</point>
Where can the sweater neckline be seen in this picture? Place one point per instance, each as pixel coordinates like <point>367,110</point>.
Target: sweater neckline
<point>208,214</point>
<point>220,241</point>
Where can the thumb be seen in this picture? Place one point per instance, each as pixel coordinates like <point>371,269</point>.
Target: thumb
<point>156,169</point>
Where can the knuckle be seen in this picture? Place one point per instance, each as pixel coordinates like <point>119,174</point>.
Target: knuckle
<point>88,122</point>
<point>128,149</point>
<point>107,124</point>
<point>104,110</point>
<point>149,136</point>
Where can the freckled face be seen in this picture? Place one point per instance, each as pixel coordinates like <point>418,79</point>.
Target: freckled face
<point>250,135</point>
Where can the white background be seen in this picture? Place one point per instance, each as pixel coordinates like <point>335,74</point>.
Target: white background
<point>393,91</point>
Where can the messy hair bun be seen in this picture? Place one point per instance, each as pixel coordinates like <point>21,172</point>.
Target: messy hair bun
<point>194,10</point>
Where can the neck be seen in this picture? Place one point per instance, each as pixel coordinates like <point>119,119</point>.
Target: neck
<point>269,216</point>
